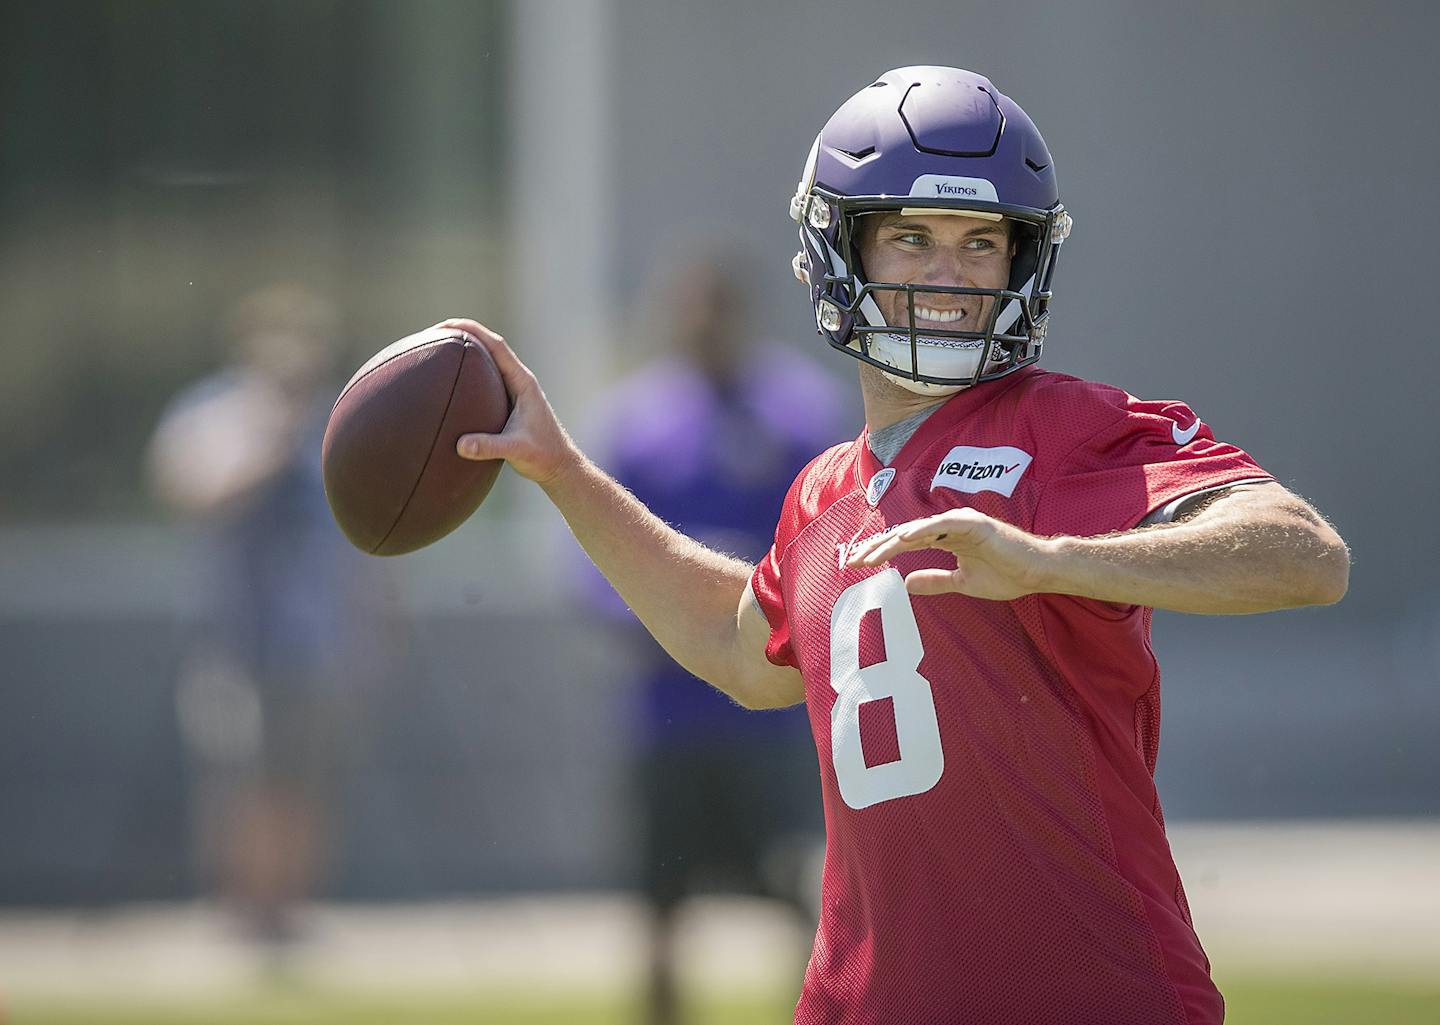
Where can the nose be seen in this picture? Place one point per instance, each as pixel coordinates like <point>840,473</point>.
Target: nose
<point>947,268</point>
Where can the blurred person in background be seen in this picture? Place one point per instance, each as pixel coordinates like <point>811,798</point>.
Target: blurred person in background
<point>709,437</point>
<point>266,699</point>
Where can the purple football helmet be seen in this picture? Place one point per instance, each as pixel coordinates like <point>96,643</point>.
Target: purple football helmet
<point>929,140</point>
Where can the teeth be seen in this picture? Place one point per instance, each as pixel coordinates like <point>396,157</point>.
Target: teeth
<point>938,316</point>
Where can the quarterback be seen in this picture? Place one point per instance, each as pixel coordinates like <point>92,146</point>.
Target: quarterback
<point>962,595</point>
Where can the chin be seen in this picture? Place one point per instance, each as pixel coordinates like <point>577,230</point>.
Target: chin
<point>886,380</point>
<point>924,387</point>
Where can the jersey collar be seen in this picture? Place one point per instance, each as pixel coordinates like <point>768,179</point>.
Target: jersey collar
<point>955,409</point>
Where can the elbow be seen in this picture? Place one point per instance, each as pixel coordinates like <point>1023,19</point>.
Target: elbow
<point>766,701</point>
<point>1326,574</point>
<point>1336,579</point>
<point>1330,576</point>
<point>744,693</point>
<point>754,698</point>
<point>766,691</point>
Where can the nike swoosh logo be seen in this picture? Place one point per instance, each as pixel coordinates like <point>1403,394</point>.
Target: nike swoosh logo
<point>1183,437</point>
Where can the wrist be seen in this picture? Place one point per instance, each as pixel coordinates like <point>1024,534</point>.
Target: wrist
<point>569,468</point>
<point>1061,570</point>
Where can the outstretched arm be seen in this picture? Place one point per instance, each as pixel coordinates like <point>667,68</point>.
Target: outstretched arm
<point>1253,548</point>
<point>694,601</point>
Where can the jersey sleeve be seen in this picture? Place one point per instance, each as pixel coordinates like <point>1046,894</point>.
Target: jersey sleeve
<point>1148,456</point>
<point>810,493</point>
<point>765,581</point>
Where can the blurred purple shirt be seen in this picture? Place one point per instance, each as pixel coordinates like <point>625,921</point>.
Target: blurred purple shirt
<point>716,465</point>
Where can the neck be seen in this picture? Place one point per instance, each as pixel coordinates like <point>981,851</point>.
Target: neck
<point>888,403</point>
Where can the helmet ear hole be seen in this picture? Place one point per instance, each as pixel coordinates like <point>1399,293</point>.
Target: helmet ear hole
<point>856,225</point>
<point>1025,240</point>
<point>797,265</point>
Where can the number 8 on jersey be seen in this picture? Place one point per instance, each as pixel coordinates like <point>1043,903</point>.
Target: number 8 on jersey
<point>921,760</point>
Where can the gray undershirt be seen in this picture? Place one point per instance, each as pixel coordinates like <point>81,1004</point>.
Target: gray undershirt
<point>887,442</point>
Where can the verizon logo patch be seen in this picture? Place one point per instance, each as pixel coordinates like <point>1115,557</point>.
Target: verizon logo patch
<point>973,470</point>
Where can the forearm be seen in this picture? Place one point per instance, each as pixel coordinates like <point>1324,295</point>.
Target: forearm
<point>684,593</point>
<point>1234,559</point>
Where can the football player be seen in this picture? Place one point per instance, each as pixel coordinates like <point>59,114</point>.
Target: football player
<point>962,595</point>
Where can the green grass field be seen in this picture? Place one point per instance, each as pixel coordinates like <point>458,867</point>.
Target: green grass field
<point>1251,1002</point>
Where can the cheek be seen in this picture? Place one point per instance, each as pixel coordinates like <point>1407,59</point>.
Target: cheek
<point>994,274</point>
<point>885,264</point>
<point>895,271</point>
<point>891,303</point>
<point>876,268</point>
<point>879,266</point>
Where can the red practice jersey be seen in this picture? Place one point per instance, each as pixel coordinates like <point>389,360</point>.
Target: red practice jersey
<point>995,847</point>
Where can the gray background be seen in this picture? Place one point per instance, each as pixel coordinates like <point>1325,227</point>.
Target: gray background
<point>1252,191</point>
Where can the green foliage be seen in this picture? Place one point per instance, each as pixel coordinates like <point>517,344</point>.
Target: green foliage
<point>1249,1002</point>
<point>1310,1002</point>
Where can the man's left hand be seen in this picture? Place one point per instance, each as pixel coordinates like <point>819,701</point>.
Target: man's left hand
<point>992,559</point>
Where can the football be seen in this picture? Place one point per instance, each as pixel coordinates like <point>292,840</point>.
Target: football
<point>392,477</point>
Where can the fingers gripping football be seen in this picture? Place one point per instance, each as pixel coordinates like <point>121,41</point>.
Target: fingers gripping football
<point>532,441</point>
<point>992,559</point>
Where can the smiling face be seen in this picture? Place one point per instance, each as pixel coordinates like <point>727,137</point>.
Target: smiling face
<point>946,250</point>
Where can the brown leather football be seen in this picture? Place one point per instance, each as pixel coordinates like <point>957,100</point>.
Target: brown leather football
<point>392,477</point>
